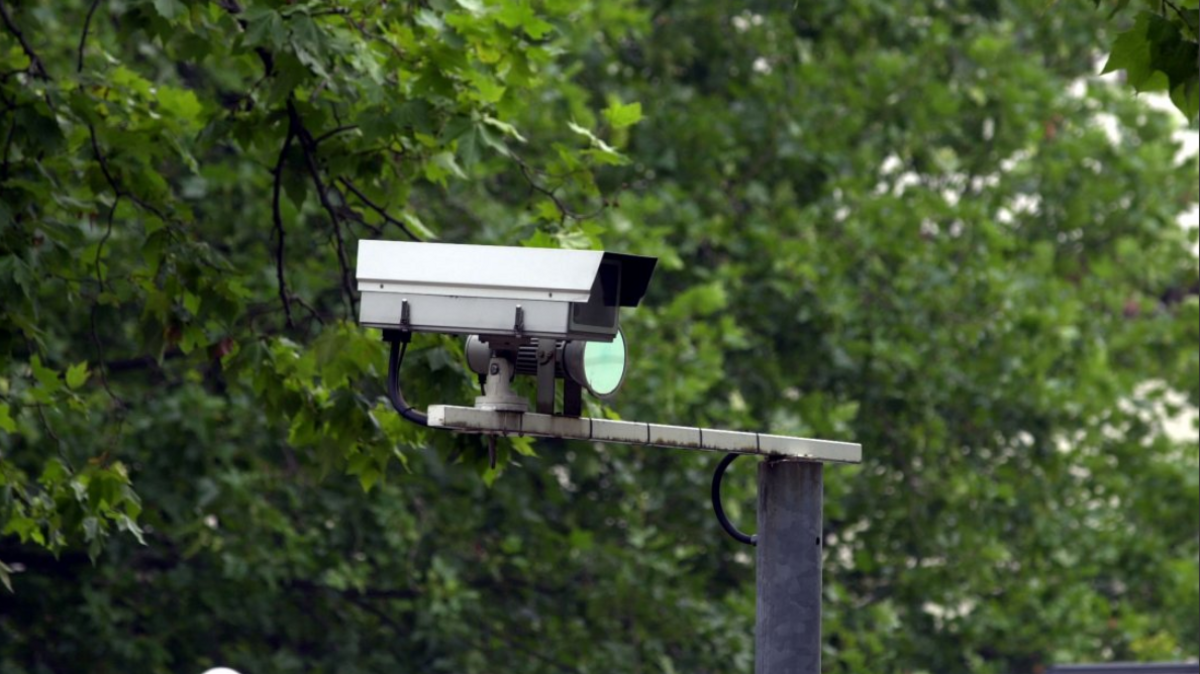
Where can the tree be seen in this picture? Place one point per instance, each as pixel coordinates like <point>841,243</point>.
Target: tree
<point>886,223</point>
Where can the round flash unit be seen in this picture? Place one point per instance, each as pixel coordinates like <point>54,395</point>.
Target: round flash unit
<point>604,366</point>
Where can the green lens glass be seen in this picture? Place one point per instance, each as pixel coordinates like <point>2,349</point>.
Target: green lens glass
<point>604,365</point>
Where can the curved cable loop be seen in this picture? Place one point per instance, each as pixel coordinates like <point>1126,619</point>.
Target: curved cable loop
<point>751,539</point>
<point>395,395</point>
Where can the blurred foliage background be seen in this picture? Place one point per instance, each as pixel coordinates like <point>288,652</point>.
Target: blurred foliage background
<point>918,225</point>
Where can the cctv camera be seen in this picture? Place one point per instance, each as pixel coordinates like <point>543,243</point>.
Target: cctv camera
<point>498,291</point>
<point>550,313</point>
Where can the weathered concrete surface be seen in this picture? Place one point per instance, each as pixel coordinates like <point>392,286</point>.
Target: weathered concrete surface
<point>472,420</point>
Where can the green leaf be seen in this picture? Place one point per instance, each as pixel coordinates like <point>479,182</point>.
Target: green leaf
<point>265,28</point>
<point>541,238</point>
<point>591,138</point>
<point>295,185</point>
<point>520,14</point>
<point>1186,97</point>
<point>490,474</point>
<point>7,423</point>
<point>430,20</point>
<point>191,302</point>
<point>1131,52</point>
<point>309,44</point>
<point>46,377</point>
<point>490,90</point>
<point>54,473</point>
<point>621,115</point>
<point>548,211</point>
<point>606,157</point>
<point>193,336</point>
<point>445,161</point>
<point>77,375</point>
<point>505,128</point>
<point>417,226</point>
<point>523,446</point>
<point>492,140</point>
<point>473,6</point>
<point>169,9</point>
<point>468,148</point>
<point>181,104</point>
<point>127,523</point>
<point>91,528</point>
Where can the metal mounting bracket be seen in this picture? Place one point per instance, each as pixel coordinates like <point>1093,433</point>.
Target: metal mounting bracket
<point>719,510</point>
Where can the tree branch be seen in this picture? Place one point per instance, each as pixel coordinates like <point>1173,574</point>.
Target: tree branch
<point>277,219</point>
<point>356,218</point>
<point>87,23</point>
<point>111,179</point>
<point>333,132</point>
<point>140,362</point>
<point>308,146</point>
<point>36,67</point>
<point>378,209</point>
<point>552,194</point>
<point>101,368</point>
<point>103,240</point>
<point>309,308</point>
<point>1178,11</point>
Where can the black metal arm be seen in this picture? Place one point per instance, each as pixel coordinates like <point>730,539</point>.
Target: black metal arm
<point>751,539</point>
<point>399,340</point>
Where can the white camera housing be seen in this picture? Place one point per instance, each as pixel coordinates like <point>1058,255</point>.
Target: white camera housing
<point>498,291</point>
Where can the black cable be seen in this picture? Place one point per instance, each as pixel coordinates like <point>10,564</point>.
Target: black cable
<point>395,395</point>
<point>720,510</point>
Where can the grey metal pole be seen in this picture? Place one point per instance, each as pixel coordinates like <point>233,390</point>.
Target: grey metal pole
<point>788,625</point>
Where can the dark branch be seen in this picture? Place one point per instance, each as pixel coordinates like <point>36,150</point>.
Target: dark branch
<point>356,218</point>
<point>552,194</point>
<point>378,209</point>
<point>112,180</point>
<point>277,219</point>
<point>36,67</point>
<point>103,240</point>
<point>309,308</point>
<point>333,132</point>
<point>344,262</point>
<point>1178,11</point>
<point>308,145</point>
<point>140,362</point>
<point>87,23</point>
<point>100,365</point>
